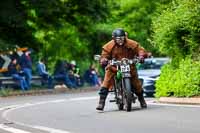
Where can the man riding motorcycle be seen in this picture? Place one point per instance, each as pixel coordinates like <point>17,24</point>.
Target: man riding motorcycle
<point>120,47</point>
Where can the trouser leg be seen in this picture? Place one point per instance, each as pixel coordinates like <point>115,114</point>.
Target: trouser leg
<point>138,90</point>
<point>20,80</point>
<point>50,82</point>
<point>68,82</point>
<point>28,76</point>
<point>141,100</point>
<point>108,78</point>
<point>107,83</point>
<point>103,94</point>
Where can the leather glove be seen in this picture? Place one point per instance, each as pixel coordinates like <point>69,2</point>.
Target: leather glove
<point>104,61</point>
<point>141,59</point>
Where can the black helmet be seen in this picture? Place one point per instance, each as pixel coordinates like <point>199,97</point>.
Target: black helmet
<point>118,32</point>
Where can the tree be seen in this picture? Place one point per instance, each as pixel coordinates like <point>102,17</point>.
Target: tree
<point>177,29</point>
<point>13,29</point>
<point>176,34</point>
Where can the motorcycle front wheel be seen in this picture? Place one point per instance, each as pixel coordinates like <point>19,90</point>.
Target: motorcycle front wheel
<point>128,96</point>
<point>119,96</point>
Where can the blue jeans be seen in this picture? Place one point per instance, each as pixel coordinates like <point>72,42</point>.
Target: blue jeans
<point>48,78</point>
<point>94,79</point>
<point>73,81</point>
<point>28,76</point>
<point>22,81</point>
<point>65,78</point>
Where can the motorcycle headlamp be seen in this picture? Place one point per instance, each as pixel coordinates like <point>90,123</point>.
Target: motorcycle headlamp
<point>131,61</point>
<point>124,61</point>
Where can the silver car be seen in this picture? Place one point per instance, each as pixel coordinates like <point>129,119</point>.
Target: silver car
<point>149,72</point>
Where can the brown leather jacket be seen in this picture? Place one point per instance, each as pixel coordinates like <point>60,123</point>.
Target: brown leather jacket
<point>129,50</point>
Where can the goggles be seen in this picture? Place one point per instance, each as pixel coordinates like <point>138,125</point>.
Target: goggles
<point>120,40</point>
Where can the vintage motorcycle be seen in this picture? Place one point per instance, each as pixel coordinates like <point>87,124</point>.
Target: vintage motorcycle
<point>123,90</point>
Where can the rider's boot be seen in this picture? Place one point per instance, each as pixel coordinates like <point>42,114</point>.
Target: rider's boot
<point>141,100</point>
<point>103,94</point>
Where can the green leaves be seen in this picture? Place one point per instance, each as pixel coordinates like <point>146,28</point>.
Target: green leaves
<point>181,81</point>
<point>176,34</point>
<point>175,28</point>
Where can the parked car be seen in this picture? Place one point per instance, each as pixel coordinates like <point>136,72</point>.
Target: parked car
<point>149,72</point>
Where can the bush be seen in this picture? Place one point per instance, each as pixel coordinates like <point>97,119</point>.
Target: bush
<point>183,81</point>
<point>177,29</point>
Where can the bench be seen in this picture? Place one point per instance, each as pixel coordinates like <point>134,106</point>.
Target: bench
<point>6,82</point>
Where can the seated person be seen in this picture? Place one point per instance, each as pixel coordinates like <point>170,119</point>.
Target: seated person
<point>25,62</point>
<point>41,69</point>
<point>91,76</point>
<point>74,74</point>
<point>13,70</point>
<point>61,73</point>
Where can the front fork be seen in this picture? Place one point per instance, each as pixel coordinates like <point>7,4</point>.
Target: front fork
<point>117,91</point>
<point>124,87</point>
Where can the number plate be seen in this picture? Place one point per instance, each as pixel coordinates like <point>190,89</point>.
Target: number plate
<point>125,68</point>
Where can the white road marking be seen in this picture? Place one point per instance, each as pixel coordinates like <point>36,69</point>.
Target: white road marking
<point>50,130</point>
<point>58,101</point>
<point>82,98</point>
<point>11,129</point>
<point>10,108</point>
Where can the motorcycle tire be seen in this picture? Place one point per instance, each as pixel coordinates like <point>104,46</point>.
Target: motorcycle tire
<point>128,96</point>
<point>120,106</point>
<point>119,97</point>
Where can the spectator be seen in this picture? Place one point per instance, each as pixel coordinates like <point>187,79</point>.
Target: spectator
<point>91,76</point>
<point>13,70</point>
<point>74,74</point>
<point>61,73</point>
<point>46,77</point>
<point>26,66</point>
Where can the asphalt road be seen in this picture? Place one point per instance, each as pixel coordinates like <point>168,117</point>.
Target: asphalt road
<point>75,113</point>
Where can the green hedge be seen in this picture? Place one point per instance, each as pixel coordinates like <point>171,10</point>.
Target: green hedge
<point>183,81</point>
<point>176,30</point>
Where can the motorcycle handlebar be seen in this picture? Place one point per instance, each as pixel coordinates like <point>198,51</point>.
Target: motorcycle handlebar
<point>124,61</point>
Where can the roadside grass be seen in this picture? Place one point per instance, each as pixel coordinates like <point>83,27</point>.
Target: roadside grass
<point>40,90</point>
<point>5,92</point>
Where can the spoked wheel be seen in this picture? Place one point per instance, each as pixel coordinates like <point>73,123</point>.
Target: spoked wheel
<point>128,96</point>
<point>120,106</point>
<point>120,103</point>
<point>119,97</point>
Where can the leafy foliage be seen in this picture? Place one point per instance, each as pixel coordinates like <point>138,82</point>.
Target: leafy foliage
<point>40,23</point>
<point>177,29</point>
<point>5,92</point>
<point>183,81</point>
<point>13,30</point>
<point>129,14</point>
<point>176,34</point>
